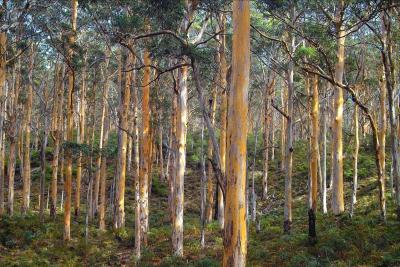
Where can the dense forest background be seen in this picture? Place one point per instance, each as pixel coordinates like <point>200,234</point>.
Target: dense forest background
<point>199,133</point>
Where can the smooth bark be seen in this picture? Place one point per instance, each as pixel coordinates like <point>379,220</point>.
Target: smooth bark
<point>235,234</point>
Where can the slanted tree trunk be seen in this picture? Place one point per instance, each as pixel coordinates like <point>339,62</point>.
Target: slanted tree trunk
<point>235,234</point>
<point>70,124</point>
<point>314,161</point>
<point>119,219</point>
<point>210,185</point>
<point>26,188</point>
<point>337,120</point>
<point>105,128</point>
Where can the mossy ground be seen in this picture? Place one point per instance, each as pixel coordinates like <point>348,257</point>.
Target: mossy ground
<point>363,240</point>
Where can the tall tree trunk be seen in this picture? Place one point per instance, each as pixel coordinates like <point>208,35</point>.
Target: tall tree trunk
<point>289,134</point>
<point>182,117</point>
<point>62,161</point>
<point>2,174</point>
<point>268,128</point>
<point>203,190</point>
<point>12,131</point>
<point>172,151</point>
<point>80,137</point>
<point>390,81</point>
<point>27,142</point>
<point>145,155</point>
<point>98,174</point>
<point>43,166</point>
<point>3,74</point>
<point>235,234</point>
<point>160,146</point>
<point>323,160</point>
<point>355,158</point>
<point>210,185</point>
<point>136,171</point>
<point>56,127</point>
<point>337,125</point>
<point>314,161</point>
<point>283,127</point>
<point>105,127</point>
<point>70,124</point>
<point>119,220</point>
<point>253,168</point>
<point>224,112</point>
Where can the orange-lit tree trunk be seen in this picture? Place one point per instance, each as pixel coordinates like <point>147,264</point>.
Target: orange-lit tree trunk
<point>314,160</point>
<point>80,137</point>
<point>119,219</point>
<point>337,125</point>
<point>235,233</point>
<point>70,124</point>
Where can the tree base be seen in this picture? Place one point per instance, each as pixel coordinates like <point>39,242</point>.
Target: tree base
<point>287,226</point>
<point>312,233</point>
<point>398,213</point>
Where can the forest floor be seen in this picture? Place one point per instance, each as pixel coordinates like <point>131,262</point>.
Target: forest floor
<point>342,241</point>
